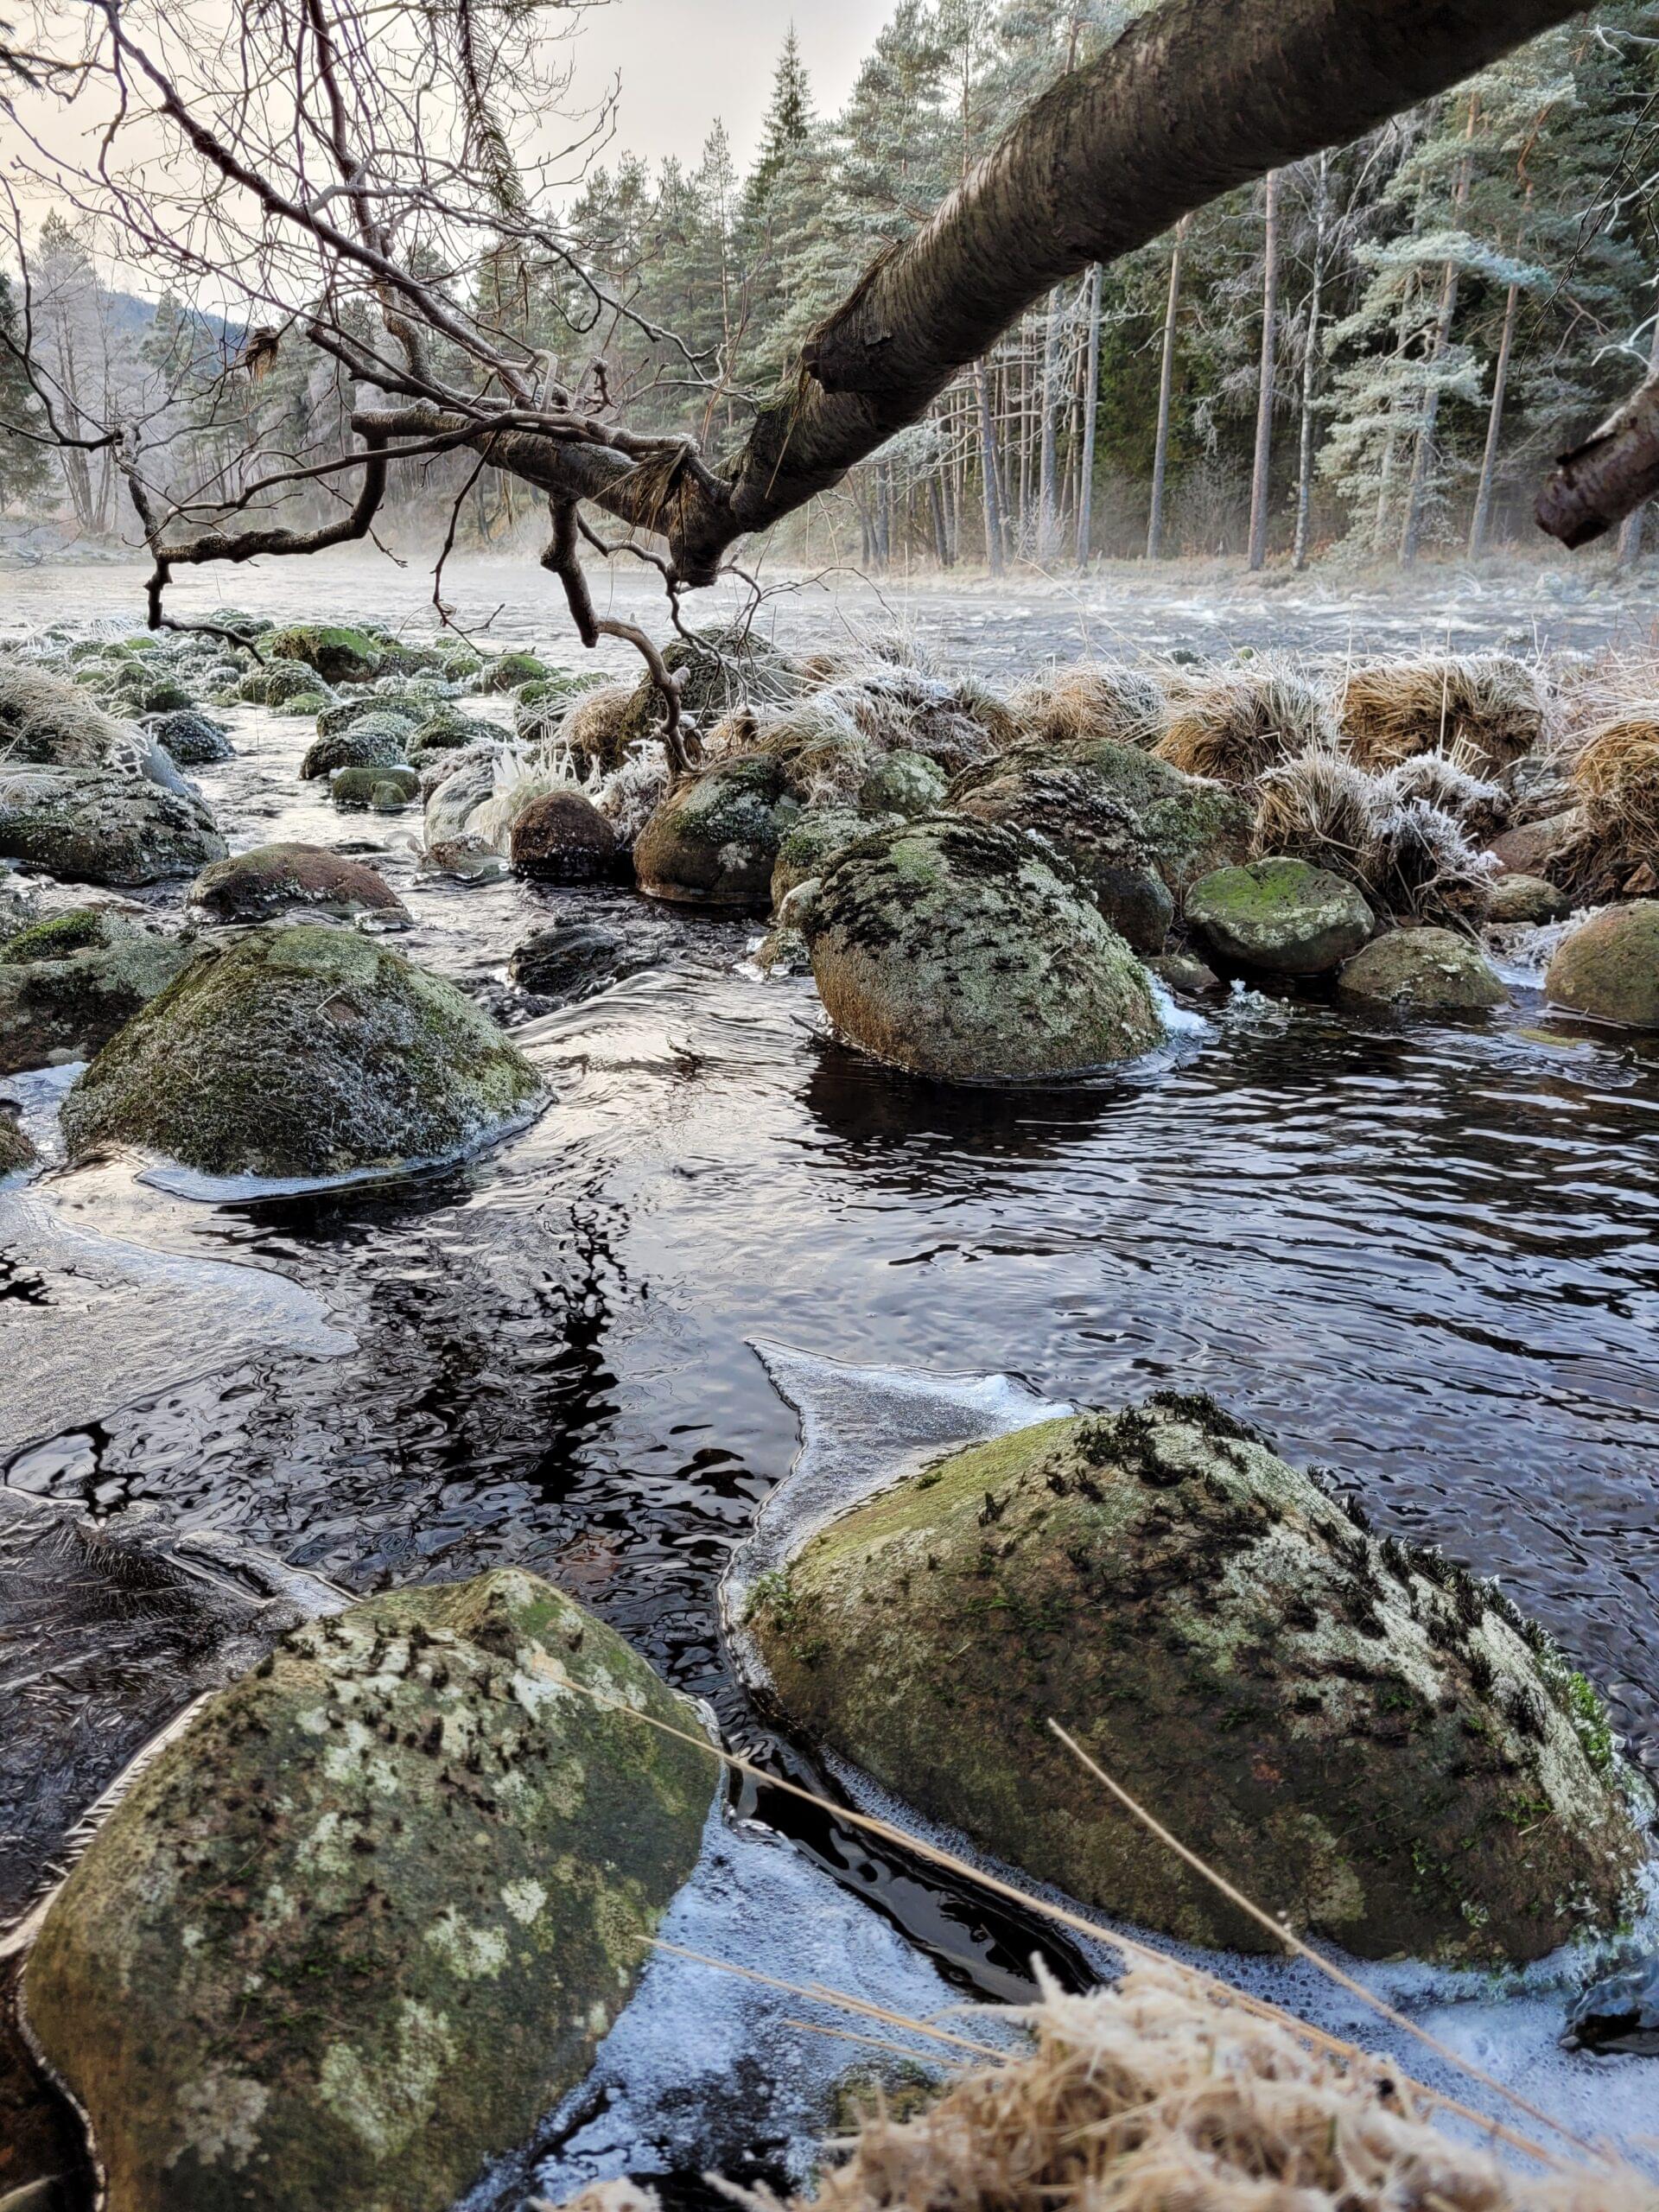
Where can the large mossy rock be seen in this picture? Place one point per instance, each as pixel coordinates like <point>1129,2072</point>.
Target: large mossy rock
<point>95,825</point>
<point>308,1050</point>
<point>338,653</point>
<point>950,947</point>
<point>1360,1738</point>
<point>375,741</point>
<point>1071,811</point>
<point>1525,901</point>
<point>817,838</point>
<point>68,985</point>
<point>1426,970</point>
<point>357,1929</point>
<point>713,840</point>
<point>1609,968</point>
<point>273,879</point>
<point>1280,917</point>
<point>1190,826</point>
<point>562,837</point>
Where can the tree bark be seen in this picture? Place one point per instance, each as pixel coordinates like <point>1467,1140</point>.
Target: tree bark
<point>1609,476</point>
<point>1166,390</point>
<point>1091,420</point>
<point>1630,536</point>
<point>1261,468</point>
<point>1310,368</point>
<point>1048,499</point>
<point>1483,514</point>
<point>1428,415</point>
<point>991,474</point>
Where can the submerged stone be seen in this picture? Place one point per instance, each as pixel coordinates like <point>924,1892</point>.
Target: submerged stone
<point>1279,917</point>
<point>277,879</point>
<point>1360,1738</point>
<point>948,947</point>
<point>363,1923</point>
<point>1425,968</point>
<point>303,1050</point>
<point>68,985</point>
<point>713,840</point>
<point>1609,968</point>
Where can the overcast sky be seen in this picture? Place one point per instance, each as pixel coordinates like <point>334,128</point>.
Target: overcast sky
<point>683,62</point>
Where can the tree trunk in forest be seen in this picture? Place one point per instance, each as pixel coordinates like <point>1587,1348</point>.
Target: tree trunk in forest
<point>993,488</point>
<point>1428,415</point>
<point>1391,441</point>
<point>1635,524</point>
<point>1310,368</point>
<point>1090,418</point>
<point>1048,498</point>
<point>1166,391</point>
<point>1483,514</point>
<point>1261,468</point>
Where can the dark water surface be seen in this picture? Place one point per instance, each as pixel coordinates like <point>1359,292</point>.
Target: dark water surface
<point>1426,1256</point>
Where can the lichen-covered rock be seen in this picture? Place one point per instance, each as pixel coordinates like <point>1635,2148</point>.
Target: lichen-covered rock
<point>278,683</point>
<point>363,1923</point>
<point>508,670</point>
<point>67,985</point>
<point>1190,826</point>
<point>903,782</point>
<point>562,837</point>
<point>1609,968</point>
<point>1361,1738</point>
<point>96,825</point>
<point>385,789</point>
<point>1526,899</point>
<point>814,840</point>
<point>17,1152</point>
<point>377,740</point>
<point>713,840</point>
<point>338,653</point>
<point>948,947</point>
<point>1279,916</point>
<point>307,1050</point>
<point>1070,811</point>
<point>274,879</point>
<point>193,738</point>
<point>1427,968</point>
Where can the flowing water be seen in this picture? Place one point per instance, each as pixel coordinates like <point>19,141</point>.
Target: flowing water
<point>1424,1256</point>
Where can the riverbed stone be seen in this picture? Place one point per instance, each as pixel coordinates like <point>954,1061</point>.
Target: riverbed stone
<point>271,879</point>
<point>1423,968</point>
<point>508,670</point>
<point>1620,2012</point>
<point>337,651</point>
<point>951,948</point>
<point>1190,826</point>
<point>562,837</point>
<point>375,741</point>
<point>1539,847</point>
<point>1070,811</point>
<point>67,985</point>
<point>382,787</point>
<point>1361,1738</point>
<point>1279,916</point>
<point>572,960</point>
<point>279,684</point>
<point>713,840</point>
<point>193,738</point>
<point>17,1152</point>
<point>1526,899</point>
<point>1609,968</point>
<point>1185,974</point>
<point>301,1049</point>
<point>356,1930</point>
<point>815,839</point>
<point>99,826</point>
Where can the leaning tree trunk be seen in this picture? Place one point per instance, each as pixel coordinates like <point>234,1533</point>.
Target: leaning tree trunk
<point>1483,514</point>
<point>1091,420</point>
<point>1261,468</point>
<point>1635,524</point>
<point>1166,392</point>
<point>1310,370</point>
<point>1196,98</point>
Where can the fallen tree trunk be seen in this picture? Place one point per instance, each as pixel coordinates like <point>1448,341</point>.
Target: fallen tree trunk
<point>1609,476</point>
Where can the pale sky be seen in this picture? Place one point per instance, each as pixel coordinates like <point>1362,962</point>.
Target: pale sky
<point>683,62</point>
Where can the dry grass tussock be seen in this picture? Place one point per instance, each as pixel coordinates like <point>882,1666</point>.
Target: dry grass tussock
<point>1491,706</point>
<point>1410,855</point>
<point>833,738</point>
<point>1614,776</point>
<point>1235,726</point>
<point>1153,2096</point>
<point>1094,701</point>
<point>46,720</point>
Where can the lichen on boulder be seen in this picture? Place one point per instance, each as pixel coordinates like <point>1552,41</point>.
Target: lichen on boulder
<point>365,1920</point>
<point>1068,811</point>
<point>713,840</point>
<point>1359,1735</point>
<point>372,740</point>
<point>303,1050</point>
<point>1279,917</point>
<point>1423,968</point>
<point>99,826</point>
<point>271,879</point>
<point>952,948</point>
<point>338,653</point>
<point>1609,968</point>
<point>67,985</point>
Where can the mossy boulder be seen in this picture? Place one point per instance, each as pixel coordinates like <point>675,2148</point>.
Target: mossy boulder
<point>338,653</point>
<point>717,671</point>
<point>278,683</point>
<point>948,947</point>
<point>384,789</point>
<point>356,1930</point>
<point>304,1050</point>
<point>1279,918</point>
<point>598,728</point>
<point>1190,826</point>
<point>1423,968</point>
<point>273,879</point>
<point>344,712</point>
<point>815,840</point>
<point>713,840</point>
<point>903,782</point>
<point>194,740</point>
<point>67,985</point>
<point>1609,968</point>
<point>562,837</point>
<point>1360,1737</point>
<point>378,740</point>
<point>17,1152</point>
<point>1070,811</point>
<point>101,826</point>
<point>446,729</point>
<point>508,670</point>
<point>141,690</point>
<point>1525,899</point>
